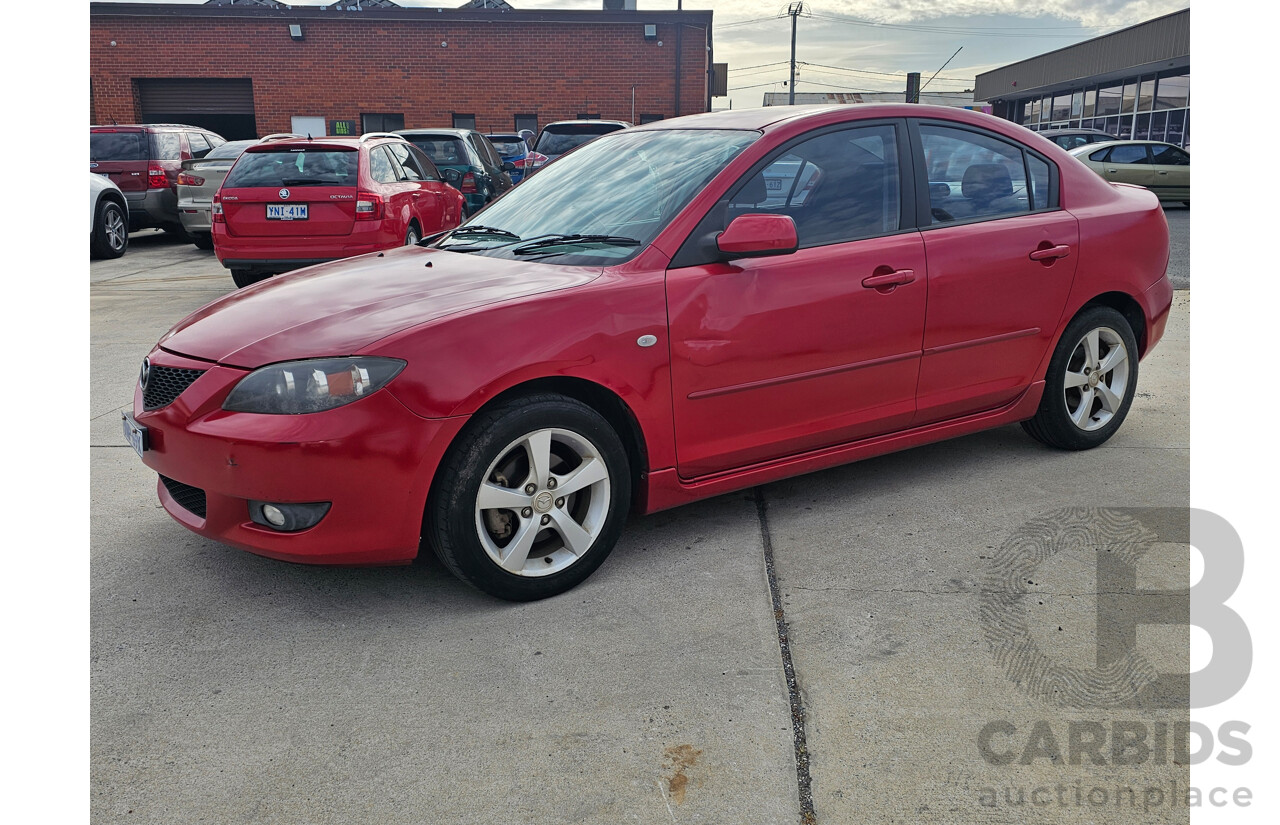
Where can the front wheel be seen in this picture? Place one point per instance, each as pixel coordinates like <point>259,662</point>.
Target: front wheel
<point>1090,383</point>
<point>537,492</point>
<point>110,231</point>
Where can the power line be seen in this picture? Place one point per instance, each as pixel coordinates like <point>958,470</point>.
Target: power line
<point>974,32</point>
<point>886,74</point>
<point>748,22</point>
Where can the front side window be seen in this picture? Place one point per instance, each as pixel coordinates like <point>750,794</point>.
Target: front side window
<point>1170,156</point>
<point>973,175</point>
<point>839,186</point>
<point>408,165</point>
<point>199,146</point>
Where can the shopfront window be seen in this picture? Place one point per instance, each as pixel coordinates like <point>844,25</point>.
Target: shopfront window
<point>1158,121</point>
<point>1077,104</point>
<point>1142,128</point>
<point>1174,131</point>
<point>1090,102</point>
<point>1146,94</point>
<point>1109,100</point>
<point>1173,92</point>
<point>1061,107</point>
<point>1130,97</point>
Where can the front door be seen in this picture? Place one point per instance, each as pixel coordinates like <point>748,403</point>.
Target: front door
<point>777,356</point>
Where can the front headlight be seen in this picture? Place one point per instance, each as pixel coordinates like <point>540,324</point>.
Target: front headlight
<point>315,385</point>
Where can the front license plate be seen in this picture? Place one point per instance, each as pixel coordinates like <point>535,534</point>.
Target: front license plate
<point>135,434</point>
<point>286,211</point>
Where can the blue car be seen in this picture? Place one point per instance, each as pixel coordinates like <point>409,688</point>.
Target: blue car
<point>513,148</point>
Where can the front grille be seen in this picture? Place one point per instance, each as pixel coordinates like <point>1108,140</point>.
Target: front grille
<point>164,384</point>
<point>189,498</point>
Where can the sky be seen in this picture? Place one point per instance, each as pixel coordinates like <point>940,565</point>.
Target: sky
<point>870,45</point>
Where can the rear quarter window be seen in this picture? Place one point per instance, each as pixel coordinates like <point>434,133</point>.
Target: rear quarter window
<point>166,146</point>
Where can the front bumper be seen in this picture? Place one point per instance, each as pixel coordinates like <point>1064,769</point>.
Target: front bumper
<point>373,459</point>
<point>152,208</point>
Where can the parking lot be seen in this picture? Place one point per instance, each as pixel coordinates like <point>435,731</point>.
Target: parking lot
<point>232,688</point>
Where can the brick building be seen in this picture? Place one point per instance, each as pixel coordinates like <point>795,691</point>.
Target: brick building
<point>252,67</point>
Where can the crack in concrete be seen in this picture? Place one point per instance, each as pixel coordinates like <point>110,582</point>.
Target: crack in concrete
<point>803,780</point>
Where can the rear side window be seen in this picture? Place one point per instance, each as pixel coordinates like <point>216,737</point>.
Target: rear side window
<point>1039,182</point>
<point>116,146</point>
<point>381,167</point>
<point>305,167</point>
<point>973,175</point>
<point>168,146</point>
<point>1128,154</point>
<point>1170,156</point>
<point>408,163</point>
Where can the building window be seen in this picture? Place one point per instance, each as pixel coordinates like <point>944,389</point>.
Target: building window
<point>529,122</point>
<point>464,121</point>
<point>1142,128</point>
<point>1173,92</point>
<point>381,122</point>
<point>1090,102</point>
<point>589,116</point>
<point>1174,131</point>
<point>1035,110</point>
<point>1130,97</point>
<point>1077,104</point>
<point>1109,100</point>
<point>1146,93</point>
<point>1061,107</point>
<point>650,118</point>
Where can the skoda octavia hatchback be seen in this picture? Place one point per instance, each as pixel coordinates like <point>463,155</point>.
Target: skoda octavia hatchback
<point>669,312</point>
<point>287,204</point>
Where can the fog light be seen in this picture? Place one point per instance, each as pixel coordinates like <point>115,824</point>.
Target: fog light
<point>288,518</point>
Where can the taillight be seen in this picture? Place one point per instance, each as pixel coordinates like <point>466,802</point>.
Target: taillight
<point>368,207</point>
<point>215,211</point>
<point>156,177</point>
<point>187,179</point>
<point>534,160</point>
<point>468,186</point>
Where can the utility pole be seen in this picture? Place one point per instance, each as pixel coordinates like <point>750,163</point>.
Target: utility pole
<point>795,9</point>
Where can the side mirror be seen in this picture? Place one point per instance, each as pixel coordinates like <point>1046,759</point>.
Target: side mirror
<point>757,236</point>
<point>508,166</point>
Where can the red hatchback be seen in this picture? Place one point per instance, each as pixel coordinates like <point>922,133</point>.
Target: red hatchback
<point>669,312</point>
<point>293,203</point>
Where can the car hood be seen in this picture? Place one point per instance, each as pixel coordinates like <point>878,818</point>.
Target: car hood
<point>342,307</point>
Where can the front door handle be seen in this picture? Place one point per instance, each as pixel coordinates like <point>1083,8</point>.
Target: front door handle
<point>888,280</point>
<point>1050,253</point>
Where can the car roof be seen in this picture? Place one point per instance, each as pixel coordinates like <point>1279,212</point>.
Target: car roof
<point>589,122</point>
<point>1065,131</point>
<point>1105,144</point>
<point>450,132</point>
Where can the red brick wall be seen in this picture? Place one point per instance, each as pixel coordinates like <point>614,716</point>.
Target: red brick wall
<point>347,66</point>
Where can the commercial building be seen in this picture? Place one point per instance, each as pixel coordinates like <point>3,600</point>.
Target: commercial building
<point>960,100</point>
<point>1134,83</point>
<point>252,67</point>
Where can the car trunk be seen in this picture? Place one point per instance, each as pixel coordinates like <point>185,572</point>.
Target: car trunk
<point>120,155</point>
<point>214,173</point>
<point>291,191</point>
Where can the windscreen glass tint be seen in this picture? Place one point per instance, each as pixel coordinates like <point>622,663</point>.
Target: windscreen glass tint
<point>116,146</point>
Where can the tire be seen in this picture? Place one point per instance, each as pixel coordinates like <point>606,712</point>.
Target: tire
<point>245,277</point>
<point>546,541</point>
<point>202,240</point>
<point>177,232</point>
<point>1098,349</point>
<point>412,237</point>
<point>110,231</point>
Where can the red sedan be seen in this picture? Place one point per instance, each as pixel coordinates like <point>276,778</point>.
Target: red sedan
<point>670,312</point>
<point>292,203</point>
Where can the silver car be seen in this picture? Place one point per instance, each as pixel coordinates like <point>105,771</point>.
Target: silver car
<point>199,181</point>
<point>108,218</point>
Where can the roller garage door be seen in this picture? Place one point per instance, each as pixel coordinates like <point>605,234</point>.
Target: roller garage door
<point>224,106</point>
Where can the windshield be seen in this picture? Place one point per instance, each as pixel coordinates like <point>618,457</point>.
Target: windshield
<point>556,140</point>
<point>619,192</point>
<point>230,149</point>
<point>294,167</point>
<point>509,146</point>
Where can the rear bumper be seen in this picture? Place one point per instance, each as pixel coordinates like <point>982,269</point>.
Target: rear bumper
<point>1156,303</point>
<point>195,216</point>
<point>152,208</point>
<point>373,459</point>
<point>283,254</point>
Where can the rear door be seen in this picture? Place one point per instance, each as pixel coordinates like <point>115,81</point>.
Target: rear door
<point>1129,163</point>
<point>120,154</point>
<point>290,190</point>
<point>1002,256</point>
<point>426,204</point>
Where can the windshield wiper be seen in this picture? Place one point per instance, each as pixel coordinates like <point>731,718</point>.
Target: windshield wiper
<point>535,247</point>
<point>485,230</point>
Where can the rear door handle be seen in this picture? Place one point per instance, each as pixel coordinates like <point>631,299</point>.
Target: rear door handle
<point>1049,253</point>
<point>898,277</point>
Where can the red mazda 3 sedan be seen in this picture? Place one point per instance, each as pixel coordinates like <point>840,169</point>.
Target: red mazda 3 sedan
<point>670,312</point>
<point>292,203</point>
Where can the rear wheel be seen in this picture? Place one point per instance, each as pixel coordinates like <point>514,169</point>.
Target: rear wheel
<point>1090,383</point>
<point>178,232</point>
<point>202,240</point>
<point>412,237</point>
<point>245,277</point>
<point>537,492</point>
<point>110,231</point>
